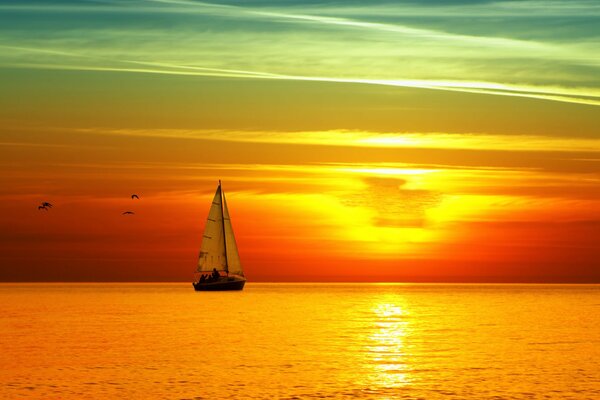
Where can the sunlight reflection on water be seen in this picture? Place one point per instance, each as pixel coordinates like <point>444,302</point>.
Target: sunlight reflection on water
<point>300,341</point>
<point>388,355</point>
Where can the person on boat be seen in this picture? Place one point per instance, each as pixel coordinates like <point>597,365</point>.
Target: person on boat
<point>215,274</point>
<point>202,278</point>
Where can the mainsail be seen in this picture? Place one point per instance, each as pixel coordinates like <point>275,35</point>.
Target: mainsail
<point>218,249</point>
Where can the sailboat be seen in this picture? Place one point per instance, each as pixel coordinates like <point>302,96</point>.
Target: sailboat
<point>218,252</point>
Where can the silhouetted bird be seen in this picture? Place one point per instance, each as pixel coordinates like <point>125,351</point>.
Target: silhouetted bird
<point>128,213</point>
<point>135,196</point>
<point>46,204</point>
<point>42,208</point>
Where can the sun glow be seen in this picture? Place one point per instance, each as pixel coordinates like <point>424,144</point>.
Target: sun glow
<point>371,211</point>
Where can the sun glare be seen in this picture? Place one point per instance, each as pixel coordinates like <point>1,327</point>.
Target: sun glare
<point>389,360</point>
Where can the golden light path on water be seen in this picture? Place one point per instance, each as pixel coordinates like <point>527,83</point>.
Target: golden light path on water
<point>390,359</point>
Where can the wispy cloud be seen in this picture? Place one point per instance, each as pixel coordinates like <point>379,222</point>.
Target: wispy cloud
<point>379,45</point>
<point>552,50</point>
<point>430,140</point>
<point>589,96</point>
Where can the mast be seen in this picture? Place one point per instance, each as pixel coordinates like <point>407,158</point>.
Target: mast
<point>223,226</point>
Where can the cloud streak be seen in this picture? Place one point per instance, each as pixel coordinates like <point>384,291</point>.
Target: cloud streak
<point>587,96</point>
<point>430,140</point>
<point>253,41</point>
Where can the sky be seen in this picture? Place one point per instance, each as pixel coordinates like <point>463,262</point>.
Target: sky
<point>438,141</point>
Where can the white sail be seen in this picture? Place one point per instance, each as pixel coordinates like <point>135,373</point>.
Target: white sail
<point>233,258</point>
<point>212,250</point>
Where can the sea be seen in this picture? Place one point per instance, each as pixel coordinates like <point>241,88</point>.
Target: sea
<point>299,341</point>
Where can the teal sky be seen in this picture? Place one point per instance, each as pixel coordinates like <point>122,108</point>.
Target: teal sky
<point>544,49</point>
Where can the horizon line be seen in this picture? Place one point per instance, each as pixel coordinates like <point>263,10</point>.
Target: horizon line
<point>328,282</point>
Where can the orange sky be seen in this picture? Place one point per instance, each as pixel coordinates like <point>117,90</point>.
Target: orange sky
<point>334,169</point>
<point>301,211</point>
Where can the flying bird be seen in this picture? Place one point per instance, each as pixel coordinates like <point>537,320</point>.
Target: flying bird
<point>135,196</point>
<point>128,213</point>
<point>46,204</point>
<point>42,208</point>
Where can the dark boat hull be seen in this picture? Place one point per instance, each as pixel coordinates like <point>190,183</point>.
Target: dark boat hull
<point>225,283</point>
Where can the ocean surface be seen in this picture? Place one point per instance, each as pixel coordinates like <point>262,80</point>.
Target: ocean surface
<point>300,341</point>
